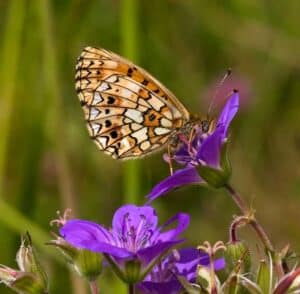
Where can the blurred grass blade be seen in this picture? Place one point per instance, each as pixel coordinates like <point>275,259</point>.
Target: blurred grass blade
<point>19,223</point>
<point>10,56</point>
<point>52,92</point>
<point>129,33</point>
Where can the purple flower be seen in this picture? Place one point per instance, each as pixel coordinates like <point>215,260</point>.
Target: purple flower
<point>204,155</point>
<point>134,239</point>
<point>163,277</point>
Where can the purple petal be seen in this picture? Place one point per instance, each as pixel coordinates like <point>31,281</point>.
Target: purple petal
<point>171,287</point>
<point>91,236</point>
<point>77,231</point>
<point>183,220</point>
<point>146,255</point>
<point>228,112</point>
<point>219,264</point>
<point>210,150</point>
<point>181,177</point>
<point>130,216</point>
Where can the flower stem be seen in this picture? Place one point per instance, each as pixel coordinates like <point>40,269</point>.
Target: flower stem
<point>251,218</point>
<point>247,213</point>
<point>94,287</point>
<point>131,289</point>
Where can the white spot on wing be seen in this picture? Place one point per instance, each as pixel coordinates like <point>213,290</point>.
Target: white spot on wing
<point>127,120</point>
<point>168,115</point>
<point>135,115</point>
<point>140,135</point>
<point>145,145</point>
<point>142,108</point>
<point>103,87</point>
<point>166,123</point>
<point>112,79</point>
<point>155,103</point>
<point>94,112</point>
<point>125,93</point>
<point>95,127</point>
<point>97,98</point>
<point>161,131</point>
<point>102,141</point>
<point>126,144</point>
<point>135,126</point>
<point>134,87</point>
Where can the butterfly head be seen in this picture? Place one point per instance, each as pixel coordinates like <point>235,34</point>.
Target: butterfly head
<point>206,124</point>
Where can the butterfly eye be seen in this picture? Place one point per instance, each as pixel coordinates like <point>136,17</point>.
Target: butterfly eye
<point>205,124</point>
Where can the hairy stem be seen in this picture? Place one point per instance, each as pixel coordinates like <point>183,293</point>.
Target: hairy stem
<point>94,287</point>
<point>246,211</point>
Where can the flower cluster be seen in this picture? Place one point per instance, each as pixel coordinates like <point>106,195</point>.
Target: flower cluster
<point>145,256</point>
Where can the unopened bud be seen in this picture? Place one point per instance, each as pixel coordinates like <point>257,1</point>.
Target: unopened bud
<point>237,255</point>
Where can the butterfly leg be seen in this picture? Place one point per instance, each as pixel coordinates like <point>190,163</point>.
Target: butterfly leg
<point>191,138</point>
<point>170,159</point>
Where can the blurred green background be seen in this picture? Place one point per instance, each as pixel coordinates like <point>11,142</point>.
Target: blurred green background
<point>48,162</point>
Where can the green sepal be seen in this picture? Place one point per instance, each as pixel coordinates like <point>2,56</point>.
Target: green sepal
<point>216,178</point>
<point>88,264</point>
<point>29,284</point>
<point>132,271</point>
<point>188,287</point>
<point>225,162</point>
<point>264,276</point>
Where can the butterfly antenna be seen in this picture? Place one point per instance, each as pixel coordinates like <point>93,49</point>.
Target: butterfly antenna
<point>228,73</point>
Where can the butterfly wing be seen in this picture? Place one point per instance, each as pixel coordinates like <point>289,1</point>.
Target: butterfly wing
<point>128,112</point>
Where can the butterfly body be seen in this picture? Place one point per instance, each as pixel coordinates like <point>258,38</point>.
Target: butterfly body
<point>128,112</point>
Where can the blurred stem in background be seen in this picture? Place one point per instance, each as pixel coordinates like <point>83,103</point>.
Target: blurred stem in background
<point>54,116</point>
<point>129,33</point>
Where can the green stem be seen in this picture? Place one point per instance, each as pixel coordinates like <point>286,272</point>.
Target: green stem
<point>131,289</point>
<point>129,25</point>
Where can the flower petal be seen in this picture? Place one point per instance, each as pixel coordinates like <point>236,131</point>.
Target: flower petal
<point>181,177</point>
<point>183,222</point>
<point>229,111</point>
<point>210,150</point>
<point>131,216</point>
<point>146,255</point>
<point>219,264</point>
<point>91,236</point>
<point>171,287</point>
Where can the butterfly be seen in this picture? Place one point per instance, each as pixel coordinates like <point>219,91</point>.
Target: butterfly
<point>128,113</point>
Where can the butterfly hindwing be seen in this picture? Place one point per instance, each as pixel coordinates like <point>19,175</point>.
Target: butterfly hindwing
<point>128,112</point>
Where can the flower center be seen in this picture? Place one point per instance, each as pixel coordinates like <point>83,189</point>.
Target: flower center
<point>136,233</point>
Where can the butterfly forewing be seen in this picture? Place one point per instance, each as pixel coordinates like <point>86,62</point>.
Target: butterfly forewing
<point>128,112</point>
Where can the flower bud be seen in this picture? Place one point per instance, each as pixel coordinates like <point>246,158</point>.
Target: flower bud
<point>236,255</point>
<point>31,277</point>
<point>86,263</point>
<point>28,262</point>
